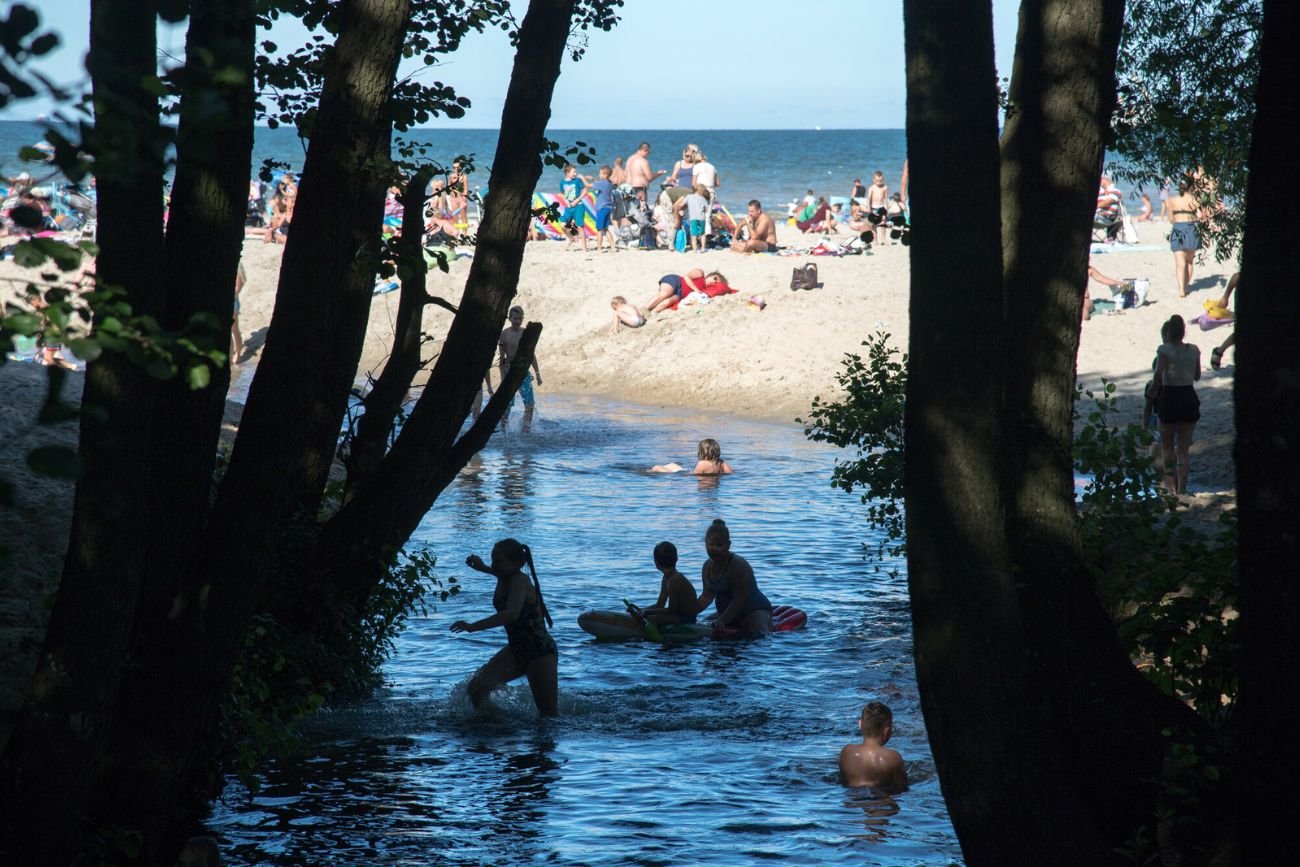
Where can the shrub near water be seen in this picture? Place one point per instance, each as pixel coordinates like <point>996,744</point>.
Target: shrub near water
<point>1170,589</point>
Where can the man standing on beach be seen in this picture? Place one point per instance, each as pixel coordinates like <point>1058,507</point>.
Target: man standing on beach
<point>762,231</point>
<point>639,173</point>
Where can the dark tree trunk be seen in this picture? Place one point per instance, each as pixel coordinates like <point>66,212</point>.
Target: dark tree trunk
<point>1062,96</point>
<point>1268,452</point>
<point>426,456</point>
<point>64,725</point>
<point>991,735</point>
<point>286,439</point>
<point>385,398</point>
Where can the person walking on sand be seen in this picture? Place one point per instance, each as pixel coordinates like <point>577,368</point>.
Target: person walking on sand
<point>1178,366</point>
<point>871,763</point>
<point>1184,238</point>
<point>756,233</point>
<point>530,651</point>
<point>237,339</point>
<point>507,349</point>
<point>639,173</point>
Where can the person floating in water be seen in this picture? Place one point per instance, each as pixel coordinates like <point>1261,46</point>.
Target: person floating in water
<point>708,462</point>
<point>871,763</point>
<point>530,651</point>
<point>728,581</point>
<point>677,600</point>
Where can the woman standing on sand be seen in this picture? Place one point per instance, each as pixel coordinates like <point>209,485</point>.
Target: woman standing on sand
<point>1184,239</point>
<point>1178,365</point>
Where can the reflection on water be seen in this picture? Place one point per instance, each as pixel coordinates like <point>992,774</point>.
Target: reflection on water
<point>708,753</point>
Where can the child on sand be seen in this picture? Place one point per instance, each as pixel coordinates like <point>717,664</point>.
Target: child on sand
<point>709,461</point>
<point>571,189</point>
<point>677,601</point>
<point>624,315</point>
<point>871,763</point>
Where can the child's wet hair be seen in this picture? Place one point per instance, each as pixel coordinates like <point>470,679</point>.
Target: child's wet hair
<point>517,552</point>
<point>875,716</point>
<point>710,450</point>
<point>666,555</point>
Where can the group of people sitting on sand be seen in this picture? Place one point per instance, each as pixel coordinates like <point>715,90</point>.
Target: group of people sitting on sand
<point>871,209</point>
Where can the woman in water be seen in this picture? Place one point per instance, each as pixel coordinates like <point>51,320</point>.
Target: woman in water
<point>530,651</point>
<point>708,461</point>
<point>1178,365</point>
<point>729,583</point>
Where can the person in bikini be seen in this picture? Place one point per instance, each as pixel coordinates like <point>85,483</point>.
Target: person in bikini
<point>1184,237</point>
<point>530,651</point>
<point>756,233</point>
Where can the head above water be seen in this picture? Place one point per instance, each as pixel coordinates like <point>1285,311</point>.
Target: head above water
<point>666,555</point>
<point>876,720</point>
<point>717,539</point>
<point>709,450</point>
<point>509,556</point>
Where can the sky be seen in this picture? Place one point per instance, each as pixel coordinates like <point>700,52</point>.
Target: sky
<point>669,64</point>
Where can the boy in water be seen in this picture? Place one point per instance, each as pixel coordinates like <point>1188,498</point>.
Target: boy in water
<point>507,348</point>
<point>871,763</point>
<point>677,599</point>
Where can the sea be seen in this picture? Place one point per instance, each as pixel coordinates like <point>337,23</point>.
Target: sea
<point>774,166</point>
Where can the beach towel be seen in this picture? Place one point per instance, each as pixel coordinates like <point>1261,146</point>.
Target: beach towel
<point>1206,321</point>
<point>554,228</point>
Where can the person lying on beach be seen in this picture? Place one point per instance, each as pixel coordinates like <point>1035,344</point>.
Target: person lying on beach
<point>677,598</point>
<point>708,462</point>
<point>871,763</point>
<point>624,315</point>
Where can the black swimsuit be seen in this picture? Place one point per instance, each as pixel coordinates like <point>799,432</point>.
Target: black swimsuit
<point>527,636</point>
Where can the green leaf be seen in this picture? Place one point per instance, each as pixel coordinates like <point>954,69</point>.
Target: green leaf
<point>199,377</point>
<point>57,462</point>
<point>86,348</point>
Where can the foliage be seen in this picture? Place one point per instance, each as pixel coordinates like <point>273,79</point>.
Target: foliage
<point>20,43</point>
<point>1170,588</point>
<point>870,418</point>
<point>286,672</point>
<point>1187,74</point>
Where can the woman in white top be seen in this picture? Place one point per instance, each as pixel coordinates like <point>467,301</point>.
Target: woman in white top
<point>706,175</point>
<point>1178,366</point>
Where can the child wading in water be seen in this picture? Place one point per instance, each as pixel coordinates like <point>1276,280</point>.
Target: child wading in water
<point>709,461</point>
<point>507,348</point>
<point>677,600</point>
<point>871,763</point>
<point>530,651</point>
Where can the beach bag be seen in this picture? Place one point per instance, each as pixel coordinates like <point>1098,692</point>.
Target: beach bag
<point>804,277</point>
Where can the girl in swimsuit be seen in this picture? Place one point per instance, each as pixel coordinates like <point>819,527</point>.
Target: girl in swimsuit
<point>708,461</point>
<point>1184,240</point>
<point>530,651</point>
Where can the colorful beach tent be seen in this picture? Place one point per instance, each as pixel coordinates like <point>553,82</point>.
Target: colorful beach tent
<point>553,228</point>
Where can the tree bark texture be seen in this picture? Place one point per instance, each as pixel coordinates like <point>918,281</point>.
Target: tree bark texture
<point>1267,399</point>
<point>426,455</point>
<point>64,725</point>
<point>989,727</point>
<point>1062,96</point>
<point>288,431</point>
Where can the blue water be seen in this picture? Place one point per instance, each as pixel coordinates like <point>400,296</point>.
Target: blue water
<point>773,166</point>
<point>706,753</point>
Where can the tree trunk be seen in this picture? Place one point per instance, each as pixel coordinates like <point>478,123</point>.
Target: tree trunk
<point>1062,96</point>
<point>1267,399</point>
<point>426,456</point>
<point>286,439</point>
<point>991,748</point>
<point>65,721</point>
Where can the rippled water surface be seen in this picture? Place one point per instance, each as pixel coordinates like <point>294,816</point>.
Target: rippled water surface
<point>704,753</point>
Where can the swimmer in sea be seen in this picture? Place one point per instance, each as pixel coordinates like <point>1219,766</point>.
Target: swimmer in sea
<point>871,763</point>
<point>708,462</point>
<point>677,599</point>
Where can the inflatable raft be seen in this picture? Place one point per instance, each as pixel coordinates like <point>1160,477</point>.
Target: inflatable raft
<point>621,626</point>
